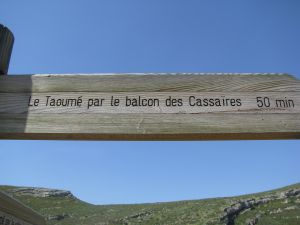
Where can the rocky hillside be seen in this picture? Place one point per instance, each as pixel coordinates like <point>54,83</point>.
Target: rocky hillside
<point>39,192</point>
<point>281,206</point>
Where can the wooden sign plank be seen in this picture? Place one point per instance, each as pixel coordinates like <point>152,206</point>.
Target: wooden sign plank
<point>14,212</point>
<point>149,103</point>
<point>150,106</point>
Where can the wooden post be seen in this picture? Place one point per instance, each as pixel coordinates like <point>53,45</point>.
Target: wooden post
<point>14,212</point>
<point>6,45</point>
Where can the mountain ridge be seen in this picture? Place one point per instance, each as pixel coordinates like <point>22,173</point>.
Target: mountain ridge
<point>61,207</point>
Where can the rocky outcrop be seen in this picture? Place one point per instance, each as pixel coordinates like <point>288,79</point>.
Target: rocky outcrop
<point>253,221</point>
<point>231,212</point>
<point>58,217</point>
<point>41,192</point>
<point>140,216</point>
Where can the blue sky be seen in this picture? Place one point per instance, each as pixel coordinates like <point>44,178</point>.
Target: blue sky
<point>152,36</point>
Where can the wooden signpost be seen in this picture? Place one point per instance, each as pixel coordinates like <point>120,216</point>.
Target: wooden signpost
<point>147,106</point>
<point>13,212</point>
<point>141,107</point>
<point>150,106</point>
<point>6,45</point>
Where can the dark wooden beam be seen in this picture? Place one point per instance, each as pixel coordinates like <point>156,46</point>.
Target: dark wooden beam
<point>6,45</point>
<point>13,211</point>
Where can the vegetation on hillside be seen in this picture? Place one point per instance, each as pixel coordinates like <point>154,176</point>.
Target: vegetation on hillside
<point>281,206</point>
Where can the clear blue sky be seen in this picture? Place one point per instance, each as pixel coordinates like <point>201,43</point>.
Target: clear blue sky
<point>61,36</point>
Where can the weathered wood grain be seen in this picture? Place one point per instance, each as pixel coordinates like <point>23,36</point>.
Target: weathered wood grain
<point>16,209</point>
<point>149,83</point>
<point>155,102</point>
<point>6,45</point>
<point>150,126</point>
<point>18,121</point>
